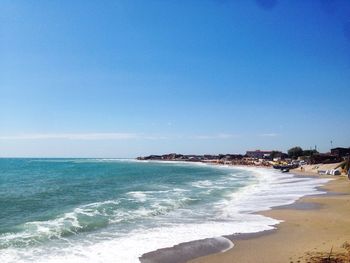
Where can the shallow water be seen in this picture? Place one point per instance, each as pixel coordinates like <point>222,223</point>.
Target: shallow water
<point>110,210</point>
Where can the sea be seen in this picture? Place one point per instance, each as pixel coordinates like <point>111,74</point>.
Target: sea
<point>115,210</point>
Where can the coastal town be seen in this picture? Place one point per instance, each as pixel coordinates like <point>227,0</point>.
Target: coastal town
<point>295,157</point>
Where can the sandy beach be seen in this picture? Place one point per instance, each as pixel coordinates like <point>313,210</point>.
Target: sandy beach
<point>314,227</point>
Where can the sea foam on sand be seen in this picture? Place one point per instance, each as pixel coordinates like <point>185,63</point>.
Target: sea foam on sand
<point>236,214</point>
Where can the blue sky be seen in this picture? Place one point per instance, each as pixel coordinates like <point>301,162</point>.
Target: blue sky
<point>128,78</point>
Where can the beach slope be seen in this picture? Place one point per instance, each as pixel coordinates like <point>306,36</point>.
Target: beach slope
<point>314,227</point>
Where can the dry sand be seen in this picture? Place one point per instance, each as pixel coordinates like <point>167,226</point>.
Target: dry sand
<point>313,169</point>
<point>312,228</point>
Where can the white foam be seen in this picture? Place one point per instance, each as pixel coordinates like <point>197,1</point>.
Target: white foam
<point>55,228</point>
<point>138,195</point>
<point>128,248</point>
<point>272,189</point>
<point>202,184</point>
<point>236,214</point>
<point>231,245</point>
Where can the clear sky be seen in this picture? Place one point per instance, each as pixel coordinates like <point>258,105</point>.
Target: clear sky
<point>128,78</point>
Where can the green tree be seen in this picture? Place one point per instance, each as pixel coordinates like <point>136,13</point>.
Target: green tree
<point>295,152</point>
<point>275,154</point>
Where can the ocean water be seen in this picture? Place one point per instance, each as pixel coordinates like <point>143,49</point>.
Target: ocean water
<point>110,210</point>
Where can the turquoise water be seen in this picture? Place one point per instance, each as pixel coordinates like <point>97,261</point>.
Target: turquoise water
<point>98,210</point>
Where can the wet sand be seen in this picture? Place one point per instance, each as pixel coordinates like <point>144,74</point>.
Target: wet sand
<point>312,228</point>
<point>186,251</point>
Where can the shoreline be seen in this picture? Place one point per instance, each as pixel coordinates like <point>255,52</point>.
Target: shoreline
<point>208,250</point>
<point>312,227</point>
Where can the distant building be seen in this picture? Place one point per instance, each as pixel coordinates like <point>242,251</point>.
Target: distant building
<point>340,152</point>
<point>324,158</point>
<point>173,157</point>
<point>258,154</point>
<point>210,157</point>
